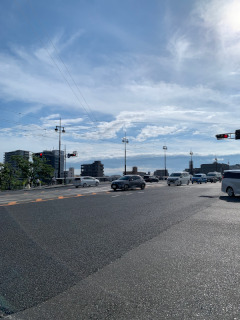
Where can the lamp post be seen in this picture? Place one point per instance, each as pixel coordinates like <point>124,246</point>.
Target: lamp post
<point>165,159</point>
<point>125,140</point>
<point>191,163</point>
<point>60,130</point>
<point>216,162</point>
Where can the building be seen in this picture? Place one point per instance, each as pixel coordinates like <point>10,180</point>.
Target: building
<point>135,171</point>
<point>8,157</point>
<point>52,158</point>
<point>96,169</point>
<point>215,166</point>
<point>234,167</point>
<point>161,173</point>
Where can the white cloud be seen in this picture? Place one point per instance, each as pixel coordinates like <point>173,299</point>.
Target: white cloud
<point>154,131</point>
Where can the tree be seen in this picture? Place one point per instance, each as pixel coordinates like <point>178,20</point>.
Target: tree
<point>8,177</point>
<point>26,172</point>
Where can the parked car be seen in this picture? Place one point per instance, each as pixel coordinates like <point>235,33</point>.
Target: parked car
<point>127,182</point>
<point>85,182</point>
<point>178,178</point>
<point>199,178</point>
<point>231,182</point>
<point>148,178</point>
<point>214,176</point>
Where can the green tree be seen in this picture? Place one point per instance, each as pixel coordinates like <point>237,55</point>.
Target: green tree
<point>30,171</point>
<point>9,177</point>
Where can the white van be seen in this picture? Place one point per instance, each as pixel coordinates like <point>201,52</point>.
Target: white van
<point>231,182</point>
<point>178,178</point>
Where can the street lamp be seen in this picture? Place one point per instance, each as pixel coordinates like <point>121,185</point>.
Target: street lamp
<point>191,163</point>
<point>165,159</point>
<point>125,140</point>
<point>216,162</point>
<point>61,130</point>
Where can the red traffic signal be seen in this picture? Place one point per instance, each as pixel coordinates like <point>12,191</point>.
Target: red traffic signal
<point>71,155</point>
<point>222,136</point>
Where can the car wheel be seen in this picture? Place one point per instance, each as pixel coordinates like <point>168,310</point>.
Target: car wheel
<point>125,187</point>
<point>143,186</point>
<point>188,182</point>
<point>169,184</point>
<point>76,186</point>
<point>84,185</point>
<point>180,183</point>
<point>96,184</point>
<point>230,192</point>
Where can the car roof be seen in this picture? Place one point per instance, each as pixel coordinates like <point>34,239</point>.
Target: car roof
<point>236,170</point>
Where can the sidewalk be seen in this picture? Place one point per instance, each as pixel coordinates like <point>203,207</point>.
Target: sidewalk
<point>190,271</point>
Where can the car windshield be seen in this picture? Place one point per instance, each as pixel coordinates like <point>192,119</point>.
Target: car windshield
<point>197,175</point>
<point>211,175</point>
<point>124,178</point>
<point>175,175</point>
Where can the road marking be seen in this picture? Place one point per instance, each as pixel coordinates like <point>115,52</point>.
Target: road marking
<point>61,197</point>
<point>80,195</point>
<point>12,203</point>
<point>38,200</point>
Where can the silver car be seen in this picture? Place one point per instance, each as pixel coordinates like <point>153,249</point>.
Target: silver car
<point>85,182</point>
<point>178,178</point>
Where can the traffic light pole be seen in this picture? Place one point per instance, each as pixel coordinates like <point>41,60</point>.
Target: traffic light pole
<point>229,135</point>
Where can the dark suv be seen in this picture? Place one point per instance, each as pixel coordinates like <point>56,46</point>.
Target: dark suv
<point>127,182</point>
<point>149,178</point>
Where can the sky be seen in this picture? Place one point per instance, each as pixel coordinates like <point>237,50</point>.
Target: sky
<point>161,72</point>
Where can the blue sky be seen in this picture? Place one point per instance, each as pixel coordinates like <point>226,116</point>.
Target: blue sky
<point>164,71</point>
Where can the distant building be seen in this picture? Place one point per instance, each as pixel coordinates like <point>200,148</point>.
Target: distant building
<point>215,166</point>
<point>96,169</point>
<point>71,172</point>
<point>135,171</point>
<point>161,173</point>
<point>234,167</point>
<point>52,158</point>
<point>8,157</point>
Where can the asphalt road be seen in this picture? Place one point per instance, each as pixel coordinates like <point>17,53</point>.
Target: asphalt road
<point>161,253</point>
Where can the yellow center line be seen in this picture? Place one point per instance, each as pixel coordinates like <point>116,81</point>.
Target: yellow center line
<point>80,195</point>
<point>38,200</point>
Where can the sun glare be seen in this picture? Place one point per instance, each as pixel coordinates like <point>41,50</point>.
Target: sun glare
<point>231,17</point>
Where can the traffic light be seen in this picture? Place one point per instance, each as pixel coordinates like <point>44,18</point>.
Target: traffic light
<point>71,155</point>
<point>39,154</point>
<point>224,136</point>
<point>237,134</point>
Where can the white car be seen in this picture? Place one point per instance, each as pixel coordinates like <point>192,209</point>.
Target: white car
<point>178,178</point>
<point>231,182</point>
<point>85,182</point>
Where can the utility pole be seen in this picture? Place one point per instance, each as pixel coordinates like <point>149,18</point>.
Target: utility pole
<point>191,163</point>
<point>125,140</point>
<point>60,130</point>
<point>165,160</point>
